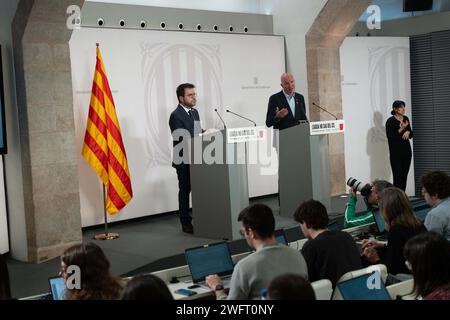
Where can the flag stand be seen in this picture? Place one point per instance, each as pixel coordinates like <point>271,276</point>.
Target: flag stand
<point>106,235</point>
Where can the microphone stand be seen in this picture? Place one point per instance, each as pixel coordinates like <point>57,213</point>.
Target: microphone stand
<point>334,116</point>
<point>254,123</point>
<point>223,122</point>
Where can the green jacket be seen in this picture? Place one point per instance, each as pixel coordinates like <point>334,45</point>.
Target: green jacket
<point>354,219</point>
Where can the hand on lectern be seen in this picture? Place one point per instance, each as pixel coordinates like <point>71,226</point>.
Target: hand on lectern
<point>210,130</point>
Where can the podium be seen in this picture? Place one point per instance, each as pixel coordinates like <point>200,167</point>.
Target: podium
<point>304,170</point>
<point>219,182</point>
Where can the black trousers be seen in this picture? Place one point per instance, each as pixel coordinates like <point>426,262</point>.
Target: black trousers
<point>400,163</point>
<point>184,189</point>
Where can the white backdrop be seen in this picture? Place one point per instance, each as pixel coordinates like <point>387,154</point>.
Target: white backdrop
<point>375,72</point>
<point>144,67</point>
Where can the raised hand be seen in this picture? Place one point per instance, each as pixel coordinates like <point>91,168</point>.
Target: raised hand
<point>281,113</point>
<point>406,135</point>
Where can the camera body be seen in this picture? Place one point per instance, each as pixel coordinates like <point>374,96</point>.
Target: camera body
<point>357,185</point>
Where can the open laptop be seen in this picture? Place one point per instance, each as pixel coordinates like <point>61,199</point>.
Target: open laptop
<point>422,211</point>
<point>363,288</point>
<point>57,288</point>
<point>334,226</point>
<point>380,225</point>
<point>281,237</point>
<point>210,259</point>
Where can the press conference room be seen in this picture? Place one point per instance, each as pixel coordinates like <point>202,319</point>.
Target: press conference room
<point>224,150</point>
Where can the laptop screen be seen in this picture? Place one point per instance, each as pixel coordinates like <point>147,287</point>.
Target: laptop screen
<point>422,211</point>
<point>57,287</point>
<point>334,226</point>
<point>378,220</point>
<point>281,237</point>
<point>210,259</point>
<point>363,288</point>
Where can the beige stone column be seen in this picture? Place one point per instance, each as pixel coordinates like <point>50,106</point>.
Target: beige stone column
<point>46,122</point>
<point>323,41</point>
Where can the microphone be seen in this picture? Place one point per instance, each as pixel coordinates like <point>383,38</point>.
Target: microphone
<point>316,105</point>
<point>223,122</point>
<point>254,123</point>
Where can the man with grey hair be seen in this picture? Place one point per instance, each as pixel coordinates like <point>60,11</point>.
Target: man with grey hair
<point>354,219</point>
<point>287,107</point>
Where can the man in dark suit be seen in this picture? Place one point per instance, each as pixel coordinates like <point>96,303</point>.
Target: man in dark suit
<point>287,107</point>
<point>184,122</point>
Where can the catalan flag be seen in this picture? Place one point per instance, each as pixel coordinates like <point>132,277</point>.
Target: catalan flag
<point>103,146</point>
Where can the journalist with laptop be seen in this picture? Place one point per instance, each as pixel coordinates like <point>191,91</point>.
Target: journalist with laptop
<point>254,272</point>
<point>401,223</point>
<point>209,259</point>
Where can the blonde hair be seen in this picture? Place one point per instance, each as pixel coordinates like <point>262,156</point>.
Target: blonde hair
<point>396,208</point>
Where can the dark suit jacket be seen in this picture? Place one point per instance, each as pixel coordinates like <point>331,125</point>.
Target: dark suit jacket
<point>179,119</point>
<point>279,100</point>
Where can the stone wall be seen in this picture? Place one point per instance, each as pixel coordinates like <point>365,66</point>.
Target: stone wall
<point>47,133</point>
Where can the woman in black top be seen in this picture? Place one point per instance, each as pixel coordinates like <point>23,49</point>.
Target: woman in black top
<point>398,132</point>
<point>401,223</point>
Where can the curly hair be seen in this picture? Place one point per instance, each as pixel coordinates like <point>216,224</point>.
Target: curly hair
<point>437,183</point>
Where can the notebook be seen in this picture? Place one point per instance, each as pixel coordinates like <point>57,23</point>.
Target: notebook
<point>363,288</point>
<point>57,288</point>
<point>210,259</point>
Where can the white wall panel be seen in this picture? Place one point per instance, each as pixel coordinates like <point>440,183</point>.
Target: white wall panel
<point>375,72</point>
<point>144,67</point>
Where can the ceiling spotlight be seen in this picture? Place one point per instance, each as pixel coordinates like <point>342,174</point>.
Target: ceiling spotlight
<point>245,29</point>
<point>122,22</point>
<point>100,21</point>
<point>143,23</point>
<point>162,25</point>
<point>216,28</point>
<point>231,28</point>
<point>199,27</point>
<point>180,26</point>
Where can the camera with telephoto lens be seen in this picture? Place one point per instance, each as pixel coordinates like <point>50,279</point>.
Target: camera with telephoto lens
<point>355,184</point>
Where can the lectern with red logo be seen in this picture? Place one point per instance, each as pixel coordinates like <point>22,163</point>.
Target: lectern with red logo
<point>303,169</point>
<point>219,180</point>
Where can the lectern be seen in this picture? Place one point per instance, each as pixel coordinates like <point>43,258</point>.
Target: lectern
<point>219,182</point>
<point>304,170</point>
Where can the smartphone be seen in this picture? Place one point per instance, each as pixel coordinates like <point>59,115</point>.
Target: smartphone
<point>194,286</point>
<point>185,292</point>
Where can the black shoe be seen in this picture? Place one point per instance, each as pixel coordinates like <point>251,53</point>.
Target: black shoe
<point>188,228</point>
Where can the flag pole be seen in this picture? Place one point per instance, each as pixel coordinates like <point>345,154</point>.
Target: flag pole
<point>96,147</point>
<point>106,235</point>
